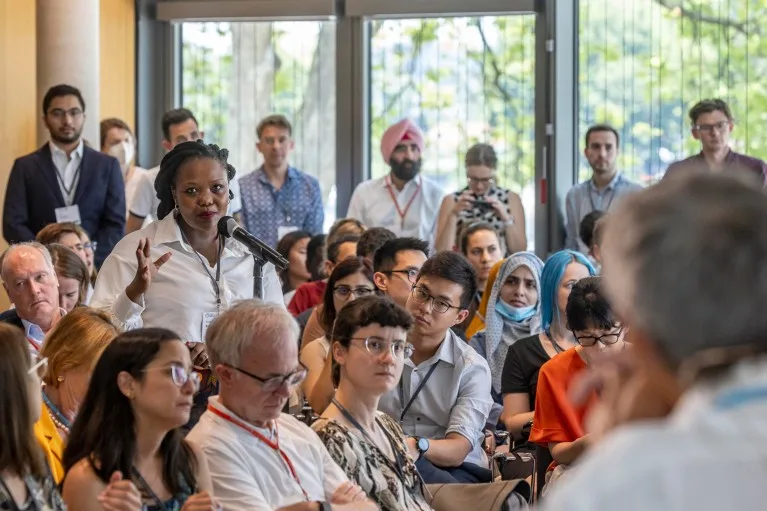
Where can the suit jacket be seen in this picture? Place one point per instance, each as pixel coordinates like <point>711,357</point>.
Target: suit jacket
<point>51,443</point>
<point>11,317</point>
<point>33,194</point>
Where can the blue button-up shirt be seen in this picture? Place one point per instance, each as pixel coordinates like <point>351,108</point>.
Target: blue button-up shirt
<point>297,204</point>
<point>584,198</point>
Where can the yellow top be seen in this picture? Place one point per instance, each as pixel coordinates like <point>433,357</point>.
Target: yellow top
<point>478,323</point>
<point>53,445</point>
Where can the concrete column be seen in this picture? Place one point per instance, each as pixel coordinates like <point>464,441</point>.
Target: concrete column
<point>68,52</point>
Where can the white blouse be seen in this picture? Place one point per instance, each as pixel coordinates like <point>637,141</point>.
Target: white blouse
<point>182,295</point>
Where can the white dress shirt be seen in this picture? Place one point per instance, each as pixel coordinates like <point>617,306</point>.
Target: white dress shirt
<point>68,170</point>
<point>372,204</point>
<point>709,455</point>
<point>249,475</point>
<point>455,399</point>
<point>182,295</point>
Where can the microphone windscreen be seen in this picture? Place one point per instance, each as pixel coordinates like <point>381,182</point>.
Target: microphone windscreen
<point>223,226</point>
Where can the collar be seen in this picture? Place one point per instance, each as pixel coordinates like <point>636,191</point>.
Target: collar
<point>386,180</point>
<point>36,333</point>
<point>731,155</point>
<point>290,175</point>
<point>168,233</point>
<point>215,402</point>
<point>57,151</point>
<point>611,185</point>
<point>445,352</point>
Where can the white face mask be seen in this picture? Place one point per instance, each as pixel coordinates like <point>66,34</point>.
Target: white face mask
<point>124,153</point>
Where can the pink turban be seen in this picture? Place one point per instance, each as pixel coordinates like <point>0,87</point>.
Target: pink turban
<point>403,130</point>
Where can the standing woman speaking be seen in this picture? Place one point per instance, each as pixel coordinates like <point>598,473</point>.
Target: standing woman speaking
<point>177,272</point>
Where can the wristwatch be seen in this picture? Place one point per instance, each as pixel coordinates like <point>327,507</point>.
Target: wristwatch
<point>324,506</point>
<point>422,444</point>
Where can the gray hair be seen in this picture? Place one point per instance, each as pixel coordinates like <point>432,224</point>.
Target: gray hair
<point>249,320</point>
<point>684,262</point>
<point>30,244</point>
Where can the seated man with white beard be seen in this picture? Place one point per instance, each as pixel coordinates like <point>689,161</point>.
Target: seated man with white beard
<point>261,459</point>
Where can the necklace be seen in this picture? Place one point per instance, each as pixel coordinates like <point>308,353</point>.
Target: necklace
<point>58,418</point>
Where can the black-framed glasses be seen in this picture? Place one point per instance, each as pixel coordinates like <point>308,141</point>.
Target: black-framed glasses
<point>606,339</point>
<point>421,295</point>
<point>377,346</point>
<point>708,128</point>
<point>59,113</point>
<point>344,292</point>
<point>180,375</point>
<point>411,274</point>
<point>276,382</point>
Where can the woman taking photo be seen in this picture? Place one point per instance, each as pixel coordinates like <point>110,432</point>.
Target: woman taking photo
<point>513,313</point>
<point>292,247</point>
<point>352,278</point>
<point>369,351</point>
<point>126,451</point>
<point>481,200</point>
<point>72,273</point>
<point>72,349</point>
<point>526,356</point>
<point>25,481</point>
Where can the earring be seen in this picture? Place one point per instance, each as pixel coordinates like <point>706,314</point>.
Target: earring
<point>60,379</point>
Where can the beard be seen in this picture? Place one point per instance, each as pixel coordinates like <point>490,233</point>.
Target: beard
<point>406,169</point>
<point>64,138</point>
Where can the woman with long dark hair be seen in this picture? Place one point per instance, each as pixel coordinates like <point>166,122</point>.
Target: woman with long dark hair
<point>125,450</point>
<point>293,247</point>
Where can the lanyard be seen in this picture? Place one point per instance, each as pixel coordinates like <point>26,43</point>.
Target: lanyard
<point>34,345</point>
<point>740,397</point>
<point>415,394</point>
<point>68,191</point>
<point>275,446</point>
<point>402,213</point>
<point>56,412</point>
<point>612,196</point>
<point>397,466</point>
<point>217,279</point>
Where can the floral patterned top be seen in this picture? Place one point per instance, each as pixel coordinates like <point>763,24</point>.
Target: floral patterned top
<point>43,495</point>
<point>377,474</point>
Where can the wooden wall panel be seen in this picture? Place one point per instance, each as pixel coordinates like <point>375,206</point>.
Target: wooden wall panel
<point>118,60</point>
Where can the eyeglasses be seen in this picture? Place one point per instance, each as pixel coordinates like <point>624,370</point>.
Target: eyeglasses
<point>377,346</point>
<point>272,384</point>
<point>440,305</point>
<point>606,340</point>
<point>411,274</point>
<point>60,114</point>
<point>481,180</point>
<point>180,375</point>
<point>708,128</point>
<point>358,292</point>
<point>90,245</point>
<point>39,365</point>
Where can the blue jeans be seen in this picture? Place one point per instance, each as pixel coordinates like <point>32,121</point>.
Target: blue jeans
<point>464,473</point>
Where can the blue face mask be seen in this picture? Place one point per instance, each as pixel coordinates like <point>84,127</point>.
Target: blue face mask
<point>514,314</point>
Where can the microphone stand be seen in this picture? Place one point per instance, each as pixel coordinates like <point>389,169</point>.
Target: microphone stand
<point>258,275</point>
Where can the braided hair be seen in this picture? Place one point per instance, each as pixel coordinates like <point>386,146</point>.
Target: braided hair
<point>166,178</point>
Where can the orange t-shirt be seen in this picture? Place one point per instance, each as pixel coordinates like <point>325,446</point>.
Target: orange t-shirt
<point>556,419</point>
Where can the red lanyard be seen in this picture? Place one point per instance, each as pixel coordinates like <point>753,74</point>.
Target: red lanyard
<point>400,212</point>
<point>34,345</point>
<point>274,445</point>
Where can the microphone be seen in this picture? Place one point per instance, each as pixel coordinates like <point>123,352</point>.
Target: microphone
<point>229,228</point>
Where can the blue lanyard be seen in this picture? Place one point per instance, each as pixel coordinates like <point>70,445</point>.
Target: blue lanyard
<point>740,397</point>
<point>59,416</point>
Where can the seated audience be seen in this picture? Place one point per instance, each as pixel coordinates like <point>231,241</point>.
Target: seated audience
<point>478,323</point>
<point>396,264</point>
<point>513,313</point>
<point>72,350</point>
<point>29,278</point>
<point>262,459</point>
<point>126,450</point>
<point>482,201</point>
<point>369,349</point>
<point>310,294</point>
<point>315,264</point>
<point>25,481</point>
<point>76,238</point>
<point>371,240</point>
<point>343,226</point>
<point>443,399</point>
<point>525,357</point>
<point>117,140</point>
<point>351,279</point>
<point>479,243</point>
<point>596,250</point>
<point>292,247</point>
<point>557,423</point>
<point>683,413</point>
<point>72,275</point>
<point>588,224</point>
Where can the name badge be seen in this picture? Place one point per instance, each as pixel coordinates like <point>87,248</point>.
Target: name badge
<point>207,319</point>
<point>68,214</point>
<point>282,231</point>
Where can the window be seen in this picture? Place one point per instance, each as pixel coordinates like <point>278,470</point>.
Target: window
<point>644,63</point>
<point>463,81</point>
<point>235,74</point>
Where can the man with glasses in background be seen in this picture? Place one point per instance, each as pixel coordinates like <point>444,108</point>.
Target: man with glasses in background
<point>396,264</point>
<point>260,458</point>
<point>712,123</point>
<point>443,398</point>
<point>65,180</point>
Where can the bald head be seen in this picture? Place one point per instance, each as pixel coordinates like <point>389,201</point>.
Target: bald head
<point>30,281</point>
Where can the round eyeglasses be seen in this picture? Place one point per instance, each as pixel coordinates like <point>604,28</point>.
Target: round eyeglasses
<point>180,375</point>
<point>377,346</point>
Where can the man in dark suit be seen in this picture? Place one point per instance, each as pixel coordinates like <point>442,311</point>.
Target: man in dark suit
<point>65,180</point>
